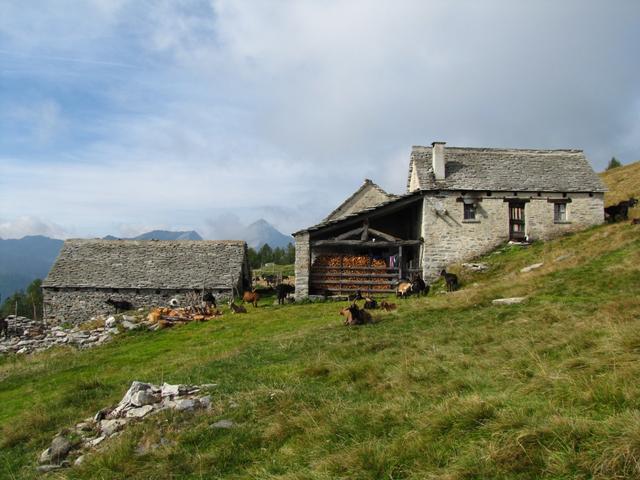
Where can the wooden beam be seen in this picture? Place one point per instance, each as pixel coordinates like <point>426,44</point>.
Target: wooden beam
<point>350,233</point>
<point>386,236</point>
<point>360,243</point>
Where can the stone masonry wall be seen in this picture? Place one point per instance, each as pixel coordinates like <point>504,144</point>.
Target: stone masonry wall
<point>302,265</point>
<point>449,239</point>
<point>79,305</point>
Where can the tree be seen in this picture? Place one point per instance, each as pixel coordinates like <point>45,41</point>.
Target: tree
<point>27,304</point>
<point>614,163</point>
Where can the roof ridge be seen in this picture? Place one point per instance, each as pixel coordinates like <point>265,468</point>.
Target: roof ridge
<point>503,149</point>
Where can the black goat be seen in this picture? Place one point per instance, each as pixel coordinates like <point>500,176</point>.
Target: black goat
<point>4,327</point>
<point>210,300</point>
<point>620,211</point>
<point>370,303</point>
<point>418,286</point>
<point>282,291</point>
<point>120,305</point>
<point>356,296</point>
<point>451,279</point>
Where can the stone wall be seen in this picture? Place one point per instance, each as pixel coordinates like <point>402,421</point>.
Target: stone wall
<point>302,265</point>
<point>449,239</point>
<point>75,305</point>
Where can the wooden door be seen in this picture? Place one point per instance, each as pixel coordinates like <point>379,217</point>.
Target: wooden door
<point>516,221</point>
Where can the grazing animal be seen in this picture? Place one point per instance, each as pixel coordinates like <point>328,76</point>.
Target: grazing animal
<point>370,303</point>
<point>355,316</point>
<point>236,308</point>
<point>451,279</point>
<point>404,289</point>
<point>251,297</point>
<point>210,300</point>
<point>4,327</point>
<point>419,287</point>
<point>620,211</point>
<point>120,305</point>
<point>386,306</point>
<point>282,291</point>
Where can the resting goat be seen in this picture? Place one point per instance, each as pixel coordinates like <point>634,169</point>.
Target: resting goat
<point>451,279</point>
<point>355,316</point>
<point>236,308</point>
<point>120,305</point>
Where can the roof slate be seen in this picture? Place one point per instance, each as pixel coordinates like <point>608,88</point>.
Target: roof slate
<point>339,211</point>
<point>499,169</point>
<point>181,264</point>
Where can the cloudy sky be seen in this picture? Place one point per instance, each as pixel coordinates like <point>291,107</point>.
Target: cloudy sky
<point>118,116</point>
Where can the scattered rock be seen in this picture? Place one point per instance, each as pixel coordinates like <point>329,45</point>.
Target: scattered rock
<point>224,424</point>
<point>130,325</point>
<point>59,449</point>
<point>139,412</point>
<point>110,322</point>
<point>79,461</point>
<point>562,257</point>
<point>109,427</point>
<point>48,468</point>
<point>186,404</point>
<point>531,267</point>
<point>508,301</point>
<point>476,267</point>
<point>45,456</point>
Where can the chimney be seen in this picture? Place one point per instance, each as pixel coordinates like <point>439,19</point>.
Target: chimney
<point>437,157</point>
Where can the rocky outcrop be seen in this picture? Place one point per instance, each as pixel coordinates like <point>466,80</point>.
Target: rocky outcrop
<point>141,400</point>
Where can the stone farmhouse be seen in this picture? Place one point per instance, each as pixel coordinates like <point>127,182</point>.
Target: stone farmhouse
<point>143,272</point>
<point>459,203</point>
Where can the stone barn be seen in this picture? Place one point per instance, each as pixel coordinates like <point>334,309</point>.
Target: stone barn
<point>143,272</point>
<point>459,203</point>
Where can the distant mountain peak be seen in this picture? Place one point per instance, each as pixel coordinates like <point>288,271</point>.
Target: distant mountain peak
<point>262,232</point>
<point>161,235</point>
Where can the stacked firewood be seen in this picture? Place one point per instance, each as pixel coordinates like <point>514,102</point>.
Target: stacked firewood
<point>335,271</point>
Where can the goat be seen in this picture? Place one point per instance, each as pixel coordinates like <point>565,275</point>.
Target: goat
<point>209,300</point>
<point>355,316</point>
<point>386,306</point>
<point>282,291</point>
<point>635,221</point>
<point>404,289</point>
<point>120,305</point>
<point>370,303</point>
<point>251,297</point>
<point>4,327</point>
<point>620,211</point>
<point>451,279</point>
<point>418,286</point>
<point>236,308</point>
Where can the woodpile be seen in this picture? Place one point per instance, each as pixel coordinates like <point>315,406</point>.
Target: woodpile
<point>164,317</point>
<point>347,273</point>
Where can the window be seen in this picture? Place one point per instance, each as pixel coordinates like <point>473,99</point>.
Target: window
<point>559,212</point>
<point>469,211</point>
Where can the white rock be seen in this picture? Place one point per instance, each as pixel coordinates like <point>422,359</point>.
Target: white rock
<point>79,461</point>
<point>531,267</point>
<point>110,322</point>
<point>129,325</point>
<point>96,441</point>
<point>508,301</point>
<point>128,318</point>
<point>140,411</point>
<point>144,397</point>
<point>185,404</point>
<point>45,456</point>
<point>226,424</point>
<point>205,402</point>
<point>170,390</point>
<point>109,427</point>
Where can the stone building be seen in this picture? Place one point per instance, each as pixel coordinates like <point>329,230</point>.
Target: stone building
<point>459,203</point>
<point>143,272</point>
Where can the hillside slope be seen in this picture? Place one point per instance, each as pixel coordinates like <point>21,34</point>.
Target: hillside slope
<point>623,183</point>
<point>448,386</point>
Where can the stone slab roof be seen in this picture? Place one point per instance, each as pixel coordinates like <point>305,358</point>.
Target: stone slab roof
<point>500,169</point>
<point>368,195</point>
<point>148,264</point>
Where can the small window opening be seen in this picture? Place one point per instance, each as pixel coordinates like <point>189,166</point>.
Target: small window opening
<point>469,211</point>
<point>560,212</point>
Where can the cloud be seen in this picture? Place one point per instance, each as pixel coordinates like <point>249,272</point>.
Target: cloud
<point>233,111</point>
<point>23,226</point>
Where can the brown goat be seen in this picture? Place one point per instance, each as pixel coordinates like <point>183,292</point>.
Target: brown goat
<point>355,316</point>
<point>386,306</point>
<point>236,308</point>
<point>251,297</point>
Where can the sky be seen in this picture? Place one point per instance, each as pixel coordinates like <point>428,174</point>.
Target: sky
<point>122,116</point>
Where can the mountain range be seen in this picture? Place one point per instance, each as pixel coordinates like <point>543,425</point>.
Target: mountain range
<point>25,259</point>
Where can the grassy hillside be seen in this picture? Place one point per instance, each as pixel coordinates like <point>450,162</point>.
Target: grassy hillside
<point>623,183</point>
<point>449,386</point>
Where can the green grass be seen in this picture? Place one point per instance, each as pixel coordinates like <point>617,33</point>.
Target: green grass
<point>448,386</point>
<point>274,269</point>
